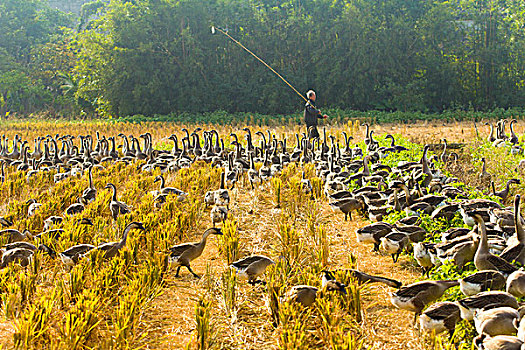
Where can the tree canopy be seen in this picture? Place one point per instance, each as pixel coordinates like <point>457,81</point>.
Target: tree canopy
<point>159,56</point>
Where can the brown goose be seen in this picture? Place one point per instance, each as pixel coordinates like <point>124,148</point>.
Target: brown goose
<point>89,193</point>
<point>481,282</point>
<point>112,248</point>
<point>483,300</point>
<point>306,295</point>
<point>499,342</point>
<point>484,176</point>
<point>516,284</point>
<point>183,254</point>
<point>252,267</point>
<point>218,214</point>
<point>440,317</point>
<point>497,321</point>
<point>75,208</point>
<point>169,190</point>
<point>115,206</point>
<point>347,205</point>
<point>15,235</point>
<point>71,256</point>
<point>416,296</point>
<point>516,251</point>
<point>484,260</point>
<point>22,255</point>
<point>503,194</point>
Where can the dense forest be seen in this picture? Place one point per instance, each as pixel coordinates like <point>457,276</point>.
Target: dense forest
<point>151,57</point>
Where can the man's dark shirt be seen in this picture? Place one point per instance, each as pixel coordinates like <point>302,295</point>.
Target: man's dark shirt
<point>311,114</point>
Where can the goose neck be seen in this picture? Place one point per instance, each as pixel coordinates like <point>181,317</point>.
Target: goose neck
<point>517,221</point>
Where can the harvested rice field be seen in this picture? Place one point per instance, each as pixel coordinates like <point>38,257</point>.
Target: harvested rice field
<point>168,236</point>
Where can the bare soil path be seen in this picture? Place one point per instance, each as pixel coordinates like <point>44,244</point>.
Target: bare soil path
<point>171,317</point>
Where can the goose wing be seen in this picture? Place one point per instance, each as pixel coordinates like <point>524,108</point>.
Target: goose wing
<point>178,250</point>
<point>485,277</point>
<point>89,194</point>
<point>24,245</point>
<point>501,264</point>
<point>245,262</point>
<point>172,190</point>
<point>511,253</point>
<point>413,290</point>
<point>75,208</point>
<point>484,299</point>
<point>10,231</point>
<point>78,249</point>
<point>442,311</point>
<point>107,246</point>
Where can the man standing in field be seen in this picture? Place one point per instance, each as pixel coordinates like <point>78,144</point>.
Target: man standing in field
<point>311,114</point>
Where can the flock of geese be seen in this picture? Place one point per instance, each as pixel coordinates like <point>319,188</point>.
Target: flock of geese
<point>494,241</point>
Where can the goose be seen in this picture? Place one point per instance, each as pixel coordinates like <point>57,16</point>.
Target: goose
<point>253,175</point>
<point>51,221</point>
<point>415,233</point>
<point>306,295</point>
<point>89,193</point>
<point>516,252</point>
<point>484,176</point>
<point>440,317</point>
<point>218,214</point>
<point>2,172</point>
<point>111,249</point>
<point>306,184</point>
<point>499,342</point>
<point>423,256</point>
<point>184,254</point>
<point>482,281</point>
<point>513,138</point>
<point>169,190</point>
<point>27,245</point>
<point>75,208</point>
<point>454,232</point>
<point>33,207</point>
<point>416,296</point>
<point>461,253</point>
<point>492,299</point>
<point>252,267</point>
<point>497,321</point>
<point>491,137</point>
<point>15,235</point>
<point>347,205</point>
<point>115,206</point>
<point>481,206</point>
<point>503,194</point>
<point>22,255</point>
<point>484,260</point>
<point>394,243</point>
<point>393,144</point>
<point>516,284</point>
<point>222,196</point>
<point>373,233</point>
<point>71,256</point>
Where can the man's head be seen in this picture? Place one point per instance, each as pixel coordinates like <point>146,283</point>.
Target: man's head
<point>311,95</point>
